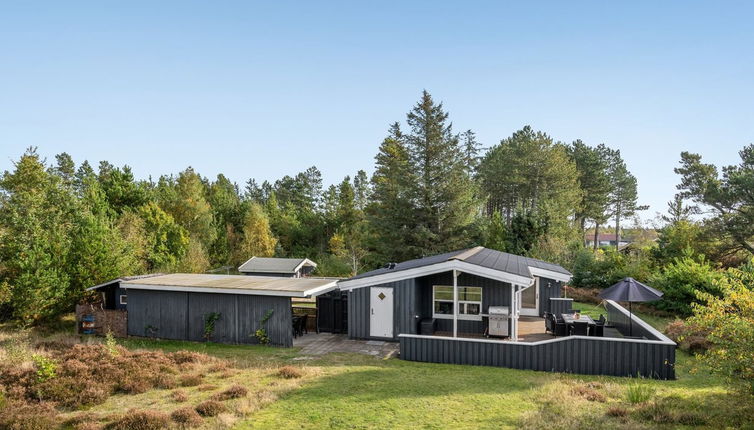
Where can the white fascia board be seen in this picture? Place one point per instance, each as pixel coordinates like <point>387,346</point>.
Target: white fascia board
<point>304,262</point>
<point>314,292</point>
<point>544,273</point>
<point>112,281</point>
<point>215,290</point>
<point>444,266</point>
<point>242,264</point>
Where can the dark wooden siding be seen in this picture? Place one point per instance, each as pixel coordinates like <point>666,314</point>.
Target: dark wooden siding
<point>251,310</point>
<point>406,305</point>
<point>560,306</point>
<point>590,356</point>
<point>548,288</point>
<point>180,315</point>
<point>494,293</point>
<point>412,301</point>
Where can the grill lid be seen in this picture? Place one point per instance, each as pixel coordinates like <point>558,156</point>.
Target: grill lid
<point>498,311</point>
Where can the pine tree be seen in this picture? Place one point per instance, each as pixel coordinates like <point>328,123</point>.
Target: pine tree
<point>391,211</point>
<point>528,176</point>
<point>361,189</point>
<point>624,194</point>
<point>36,211</point>
<point>594,182</point>
<point>443,193</point>
<point>471,151</point>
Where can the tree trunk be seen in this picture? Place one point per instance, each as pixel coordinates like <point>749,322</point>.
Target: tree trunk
<point>617,232</point>
<point>596,235</point>
<point>617,228</point>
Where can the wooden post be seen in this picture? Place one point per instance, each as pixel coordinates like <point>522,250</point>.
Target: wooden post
<point>455,303</point>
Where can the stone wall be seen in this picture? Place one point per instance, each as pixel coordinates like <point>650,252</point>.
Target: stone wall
<point>104,319</point>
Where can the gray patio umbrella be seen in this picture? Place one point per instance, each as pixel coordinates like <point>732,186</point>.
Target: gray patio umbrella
<point>630,290</point>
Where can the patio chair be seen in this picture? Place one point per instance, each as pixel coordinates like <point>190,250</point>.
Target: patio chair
<point>561,328</point>
<point>302,321</point>
<point>579,329</point>
<point>295,324</point>
<point>549,323</point>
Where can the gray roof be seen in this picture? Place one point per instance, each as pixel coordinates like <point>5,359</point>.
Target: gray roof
<point>233,284</point>
<point>274,265</point>
<point>484,257</point>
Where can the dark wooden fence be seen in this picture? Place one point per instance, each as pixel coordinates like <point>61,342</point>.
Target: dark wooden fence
<point>652,357</point>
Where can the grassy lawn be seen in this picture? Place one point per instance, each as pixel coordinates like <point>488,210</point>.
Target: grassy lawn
<point>352,391</point>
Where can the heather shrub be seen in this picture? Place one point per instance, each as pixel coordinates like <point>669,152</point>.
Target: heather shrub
<point>179,396</point>
<point>290,372</point>
<point>181,357</point>
<point>140,420</point>
<point>186,417</point>
<point>616,411</point>
<point>232,392</point>
<point>191,380</point>
<point>27,416</point>
<point>210,408</point>
<point>165,381</point>
<point>589,393</point>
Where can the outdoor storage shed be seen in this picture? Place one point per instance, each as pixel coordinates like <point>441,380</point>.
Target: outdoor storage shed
<point>176,306</point>
<point>283,267</point>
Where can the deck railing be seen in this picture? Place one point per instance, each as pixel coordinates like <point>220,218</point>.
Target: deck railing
<point>653,358</point>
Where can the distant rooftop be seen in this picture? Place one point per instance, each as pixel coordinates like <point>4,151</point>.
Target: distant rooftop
<point>275,265</point>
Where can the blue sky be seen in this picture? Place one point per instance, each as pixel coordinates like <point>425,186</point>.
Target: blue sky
<point>263,90</point>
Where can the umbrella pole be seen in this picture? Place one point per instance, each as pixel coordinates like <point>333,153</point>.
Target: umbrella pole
<point>630,320</point>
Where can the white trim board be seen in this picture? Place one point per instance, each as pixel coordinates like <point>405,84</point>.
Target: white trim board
<point>544,273</point>
<point>308,293</point>
<point>539,342</point>
<point>445,266</point>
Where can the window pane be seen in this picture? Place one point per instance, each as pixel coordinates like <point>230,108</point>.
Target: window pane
<point>445,308</point>
<point>470,294</point>
<point>443,293</point>
<point>472,308</point>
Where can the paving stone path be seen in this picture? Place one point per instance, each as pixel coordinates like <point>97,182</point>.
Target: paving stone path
<point>324,343</point>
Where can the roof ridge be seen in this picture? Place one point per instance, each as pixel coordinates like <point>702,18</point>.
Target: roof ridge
<point>467,253</point>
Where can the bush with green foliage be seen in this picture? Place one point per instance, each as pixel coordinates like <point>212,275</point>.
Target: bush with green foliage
<point>606,267</point>
<point>729,322</point>
<point>682,280</point>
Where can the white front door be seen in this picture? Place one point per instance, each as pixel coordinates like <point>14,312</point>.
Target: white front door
<point>530,299</point>
<point>381,304</point>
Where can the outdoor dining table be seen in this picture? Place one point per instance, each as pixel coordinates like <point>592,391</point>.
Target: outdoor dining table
<point>569,319</point>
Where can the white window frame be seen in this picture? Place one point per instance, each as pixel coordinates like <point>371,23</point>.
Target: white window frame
<point>121,299</point>
<point>463,303</point>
